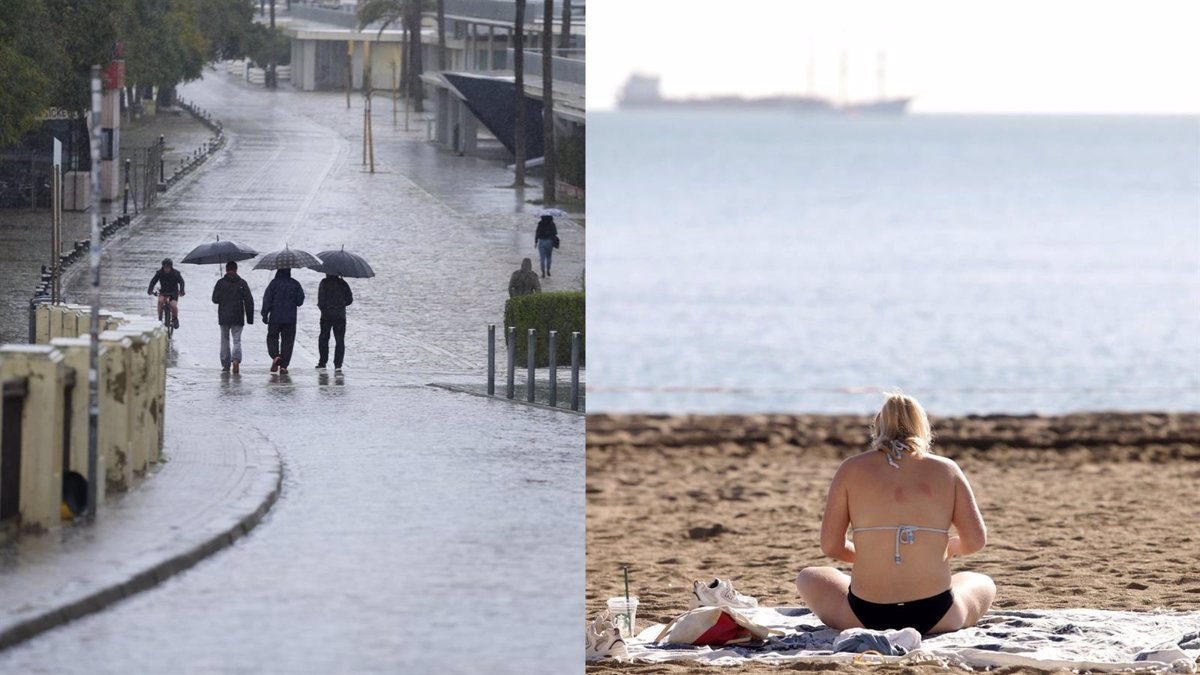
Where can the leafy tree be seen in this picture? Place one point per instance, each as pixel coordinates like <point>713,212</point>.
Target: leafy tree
<point>25,87</point>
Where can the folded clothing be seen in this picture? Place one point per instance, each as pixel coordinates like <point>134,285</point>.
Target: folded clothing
<point>885,642</point>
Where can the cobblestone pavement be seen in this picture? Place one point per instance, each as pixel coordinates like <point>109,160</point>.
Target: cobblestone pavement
<point>418,530</point>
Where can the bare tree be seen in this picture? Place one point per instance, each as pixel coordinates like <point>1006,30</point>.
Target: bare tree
<point>548,183</point>
<point>519,76</point>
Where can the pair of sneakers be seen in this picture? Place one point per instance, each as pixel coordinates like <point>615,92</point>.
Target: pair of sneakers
<point>720,593</point>
<point>603,640</point>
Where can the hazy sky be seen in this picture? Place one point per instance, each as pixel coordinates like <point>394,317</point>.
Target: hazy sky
<point>956,55</point>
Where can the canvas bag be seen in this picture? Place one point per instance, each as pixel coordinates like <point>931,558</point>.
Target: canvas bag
<point>713,626</point>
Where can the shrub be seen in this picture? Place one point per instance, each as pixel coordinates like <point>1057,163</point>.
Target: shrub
<point>561,311</point>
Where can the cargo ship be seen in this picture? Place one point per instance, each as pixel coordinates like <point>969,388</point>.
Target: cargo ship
<point>642,91</point>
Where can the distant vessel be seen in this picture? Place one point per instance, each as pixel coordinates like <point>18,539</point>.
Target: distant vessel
<point>642,91</point>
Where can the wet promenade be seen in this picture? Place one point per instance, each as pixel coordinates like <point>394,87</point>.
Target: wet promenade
<point>417,530</point>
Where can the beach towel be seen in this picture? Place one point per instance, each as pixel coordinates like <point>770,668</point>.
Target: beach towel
<point>1076,639</point>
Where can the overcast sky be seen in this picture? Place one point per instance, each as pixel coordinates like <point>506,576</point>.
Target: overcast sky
<point>954,55</point>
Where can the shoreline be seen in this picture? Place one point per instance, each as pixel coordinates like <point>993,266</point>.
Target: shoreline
<point>1087,510</point>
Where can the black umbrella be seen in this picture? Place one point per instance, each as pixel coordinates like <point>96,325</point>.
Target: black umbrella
<point>288,257</point>
<point>344,264</point>
<point>217,252</point>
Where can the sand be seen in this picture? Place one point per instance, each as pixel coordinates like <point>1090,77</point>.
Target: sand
<point>1092,510</point>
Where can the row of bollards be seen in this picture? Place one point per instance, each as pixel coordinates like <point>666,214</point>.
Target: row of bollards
<point>200,154</point>
<point>531,361</point>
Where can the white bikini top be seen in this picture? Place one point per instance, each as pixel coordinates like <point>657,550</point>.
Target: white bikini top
<point>905,534</point>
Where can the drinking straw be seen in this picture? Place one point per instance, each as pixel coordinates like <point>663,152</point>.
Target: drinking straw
<point>628,610</point>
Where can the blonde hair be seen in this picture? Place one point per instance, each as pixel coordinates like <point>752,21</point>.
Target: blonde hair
<point>901,424</point>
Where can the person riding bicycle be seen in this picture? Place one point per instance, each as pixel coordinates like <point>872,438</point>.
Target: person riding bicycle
<point>170,289</point>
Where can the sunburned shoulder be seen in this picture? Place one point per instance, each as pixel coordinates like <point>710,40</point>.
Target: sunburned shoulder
<point>869,459</point>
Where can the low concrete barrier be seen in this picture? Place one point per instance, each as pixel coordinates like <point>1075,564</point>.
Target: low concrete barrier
<point>44,426</point>
<point>32,432</point>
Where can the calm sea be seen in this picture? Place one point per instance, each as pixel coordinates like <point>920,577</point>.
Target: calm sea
<point>768,262</point>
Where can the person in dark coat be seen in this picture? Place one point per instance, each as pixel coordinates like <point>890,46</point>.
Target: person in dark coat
<point>170,291</point>
<point>546,240</point>
<point>283,296</point>
<point>333,296</point>
<point>524,281</point>
<point>234,301</point>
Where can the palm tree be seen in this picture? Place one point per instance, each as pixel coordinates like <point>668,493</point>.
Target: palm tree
<point>441,21</point>
<point>519,76</point>
<point>548,187</point>
<point>564,40</point>
<point>408,13</point>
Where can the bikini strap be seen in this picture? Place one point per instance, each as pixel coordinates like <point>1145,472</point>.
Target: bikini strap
<point>905,534</point>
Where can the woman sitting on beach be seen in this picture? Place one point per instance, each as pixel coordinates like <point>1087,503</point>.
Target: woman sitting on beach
<point>900,501</point>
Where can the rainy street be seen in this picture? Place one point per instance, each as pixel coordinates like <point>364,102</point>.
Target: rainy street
<point>417,529</point>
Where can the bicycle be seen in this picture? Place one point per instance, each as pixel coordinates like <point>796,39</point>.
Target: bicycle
<point>167,315</point>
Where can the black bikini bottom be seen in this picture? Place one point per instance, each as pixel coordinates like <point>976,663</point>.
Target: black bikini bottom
<point>921,614</point>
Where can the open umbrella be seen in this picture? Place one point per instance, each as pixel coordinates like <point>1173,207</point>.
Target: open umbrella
<point>288,257</point>
<point>553,213</point>
<point>218,252</point>
<point>344,264</point>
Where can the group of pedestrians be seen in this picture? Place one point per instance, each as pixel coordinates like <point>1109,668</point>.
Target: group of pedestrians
<point>281,301</point>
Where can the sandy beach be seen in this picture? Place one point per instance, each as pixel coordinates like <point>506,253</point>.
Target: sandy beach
<point>1090,510</point>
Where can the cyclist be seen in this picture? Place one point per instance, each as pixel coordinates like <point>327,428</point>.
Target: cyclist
<point>170,289</point>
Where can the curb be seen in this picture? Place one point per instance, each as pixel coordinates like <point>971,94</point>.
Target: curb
<point>543,406</point>
<point>260,496</point>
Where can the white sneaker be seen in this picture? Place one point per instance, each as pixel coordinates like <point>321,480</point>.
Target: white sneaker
<point>719,593</point>
<point>603,640</point>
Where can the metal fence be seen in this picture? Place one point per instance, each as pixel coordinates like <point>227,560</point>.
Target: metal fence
<point>143,171</point>
<point>25,179</point>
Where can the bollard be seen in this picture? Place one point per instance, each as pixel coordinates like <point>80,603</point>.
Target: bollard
<point>552,355</point>
<point>575,370</point>
<point>114,440</point>
<point>35,374</point>
<point>530,362</point>
<point>491,364</point>
<point>75,352</point>
<point>125,200</point>
<point>162,145</point>
<point>512,362</point>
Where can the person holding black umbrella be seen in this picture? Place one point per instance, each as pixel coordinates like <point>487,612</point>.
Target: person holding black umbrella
<point>284,294</point>
<point>233,299</point>
<point>333,296</point>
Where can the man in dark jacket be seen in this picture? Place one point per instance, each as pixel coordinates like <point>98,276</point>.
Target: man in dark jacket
<point>333,296</point>
<point>234,301</point>
<point>524,281</point>
<point>172,289</point>
<point>283,296</point>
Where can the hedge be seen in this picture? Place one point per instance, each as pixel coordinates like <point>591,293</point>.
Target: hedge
<point>561,311</point>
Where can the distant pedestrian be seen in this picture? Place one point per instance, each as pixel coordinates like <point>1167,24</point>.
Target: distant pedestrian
<point>234,301</point>
<point>333,296</point>
<point>546,240</point>
<point>524,281</point>
<point>283,296</point>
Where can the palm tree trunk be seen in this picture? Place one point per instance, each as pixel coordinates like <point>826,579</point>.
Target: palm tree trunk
<point>441,19</point>
<point>564,40</point>
<point>413,23</point>
<point>548,184</point>
<point>519,76</point>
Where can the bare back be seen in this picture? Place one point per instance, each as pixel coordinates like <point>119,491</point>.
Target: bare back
<point>927,492</point>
